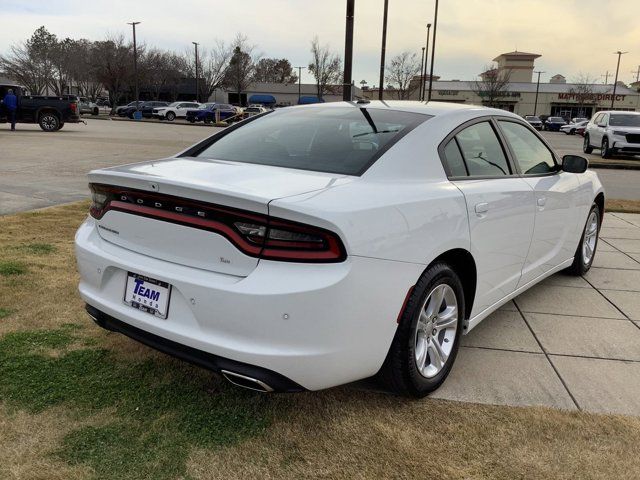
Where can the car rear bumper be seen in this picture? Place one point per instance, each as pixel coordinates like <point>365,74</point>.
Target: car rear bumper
<point>317,325</point>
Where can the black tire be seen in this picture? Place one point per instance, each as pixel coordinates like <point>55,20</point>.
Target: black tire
<point>170,116</point>
<point>572,132</point>
<point>605,151</point>
<point>96,111</point>
<point>207,120</point>
<point>581,265</point>
<point>192,120</point>
<point>400,372</point>
<point>61,125</point>
<point>49,122</point>
<point>586,148</point>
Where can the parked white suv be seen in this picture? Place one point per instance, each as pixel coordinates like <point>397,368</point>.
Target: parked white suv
<point>613,132</point>
<point>174,110</point>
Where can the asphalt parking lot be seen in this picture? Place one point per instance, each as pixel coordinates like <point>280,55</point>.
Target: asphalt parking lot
<point>571,343</point>
<point>39,169</point>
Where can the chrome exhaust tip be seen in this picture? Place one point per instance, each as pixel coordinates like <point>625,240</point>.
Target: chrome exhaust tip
<point>246,382</point>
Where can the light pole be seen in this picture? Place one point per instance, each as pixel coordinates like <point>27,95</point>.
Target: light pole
<point>535,105</point>
<point>426,60</point>
<point>383,49</point>
<point>135,60</point>
<point>433,50</point>
<point>348,51</point>
<point>421,76</point>
<point>299,83</point>
<point>615,83</point>
<point>197,90</point>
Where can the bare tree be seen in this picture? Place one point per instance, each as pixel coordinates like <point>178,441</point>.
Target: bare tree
<point>493,86</point>
<point>113,61</point>
<point>401,70</point>
<point>30,62</point>
<point>240,72</point>
<point>161,71</point>
<point>213,63</point>
<point>326,67</point>
<point>275,70</point>
<point>81,71</point>
<point>582,91</point>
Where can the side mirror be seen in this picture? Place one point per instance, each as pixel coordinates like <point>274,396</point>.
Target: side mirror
<point>574,164</point>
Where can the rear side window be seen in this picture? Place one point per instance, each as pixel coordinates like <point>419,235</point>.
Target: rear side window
<point>482,151</point>
<point>533,156</point>
<point>454,160</point>
<point>342,140</point>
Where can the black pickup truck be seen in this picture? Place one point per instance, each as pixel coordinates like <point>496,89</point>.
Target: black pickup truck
<point>51,113</point>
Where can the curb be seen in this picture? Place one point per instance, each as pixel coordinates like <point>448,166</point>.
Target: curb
<point>614,166</point>
<point>144,120</point>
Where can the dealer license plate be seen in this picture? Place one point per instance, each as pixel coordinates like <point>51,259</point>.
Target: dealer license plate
<point>147,294</point>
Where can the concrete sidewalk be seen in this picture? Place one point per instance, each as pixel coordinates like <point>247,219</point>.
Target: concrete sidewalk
<point>569,342</point>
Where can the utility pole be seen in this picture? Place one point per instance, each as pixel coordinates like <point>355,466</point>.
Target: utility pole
<point>135,61</point>
<point>606,77</point>
<point>615,83</point>
<point>299,82</point>
<point>637,74</point>
<point>348,52</point>
<point>197,90</point>
<point>426,60</point>
<point>383,50</point>
<point>535,105</point>
<point>421,75</point>
<point>433,50</point>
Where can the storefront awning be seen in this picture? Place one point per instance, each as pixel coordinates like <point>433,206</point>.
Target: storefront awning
<point>309,99</point>
<point>263,99</point>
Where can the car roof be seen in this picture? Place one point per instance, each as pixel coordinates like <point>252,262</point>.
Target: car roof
<point>434,109</point>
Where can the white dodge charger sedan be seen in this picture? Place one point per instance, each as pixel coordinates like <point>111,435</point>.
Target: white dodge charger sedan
<point>313,246</point>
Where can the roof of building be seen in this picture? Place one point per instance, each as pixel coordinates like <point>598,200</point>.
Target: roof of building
<point>517,54</point>
<point>531,87</point>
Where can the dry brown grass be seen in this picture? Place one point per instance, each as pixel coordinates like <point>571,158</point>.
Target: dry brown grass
<point>354,434</point>
<point>341,433</point>
<point>626,206</point>
<point>27,442</point>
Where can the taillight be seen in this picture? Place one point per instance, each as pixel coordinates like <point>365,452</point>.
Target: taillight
<point>74,107</point>
<point>254,234</point>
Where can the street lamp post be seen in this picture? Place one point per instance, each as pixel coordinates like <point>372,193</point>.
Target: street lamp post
<point>421,76</point>
<point>535,105</point>
<point>383,50</point>
<point>197,90</point>
<point>135,61</point>
<point>615,83</point>
<point>348,52</point>
<point>433,50</point>
<point>299,83</point>
<point>426,60</point>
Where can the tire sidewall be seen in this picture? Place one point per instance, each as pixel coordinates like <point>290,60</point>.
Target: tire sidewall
<point>170,116</point>
<point>438,274</point>
<point>604,149</point>
<point>50,117</point>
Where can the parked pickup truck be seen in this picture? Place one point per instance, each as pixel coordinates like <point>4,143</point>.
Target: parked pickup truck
<point>51,113</point>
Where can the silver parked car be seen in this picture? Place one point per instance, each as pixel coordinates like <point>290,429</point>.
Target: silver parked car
<point>85,105</point>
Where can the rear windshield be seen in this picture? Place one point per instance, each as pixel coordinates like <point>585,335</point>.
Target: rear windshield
<point>618,120</point>
<point>556,119</point>
<point>323,139</point>
<point>530,117</point>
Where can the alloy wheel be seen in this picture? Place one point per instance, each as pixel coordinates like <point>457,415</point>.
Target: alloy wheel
<point>590,238</point>
<point>49,122</point>
<point>436,330</point>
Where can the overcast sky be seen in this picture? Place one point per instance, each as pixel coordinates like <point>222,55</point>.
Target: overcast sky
<point>573,36</point>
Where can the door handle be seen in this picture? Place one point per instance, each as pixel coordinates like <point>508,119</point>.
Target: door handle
<point>542,201</point>
<point>482,208</point>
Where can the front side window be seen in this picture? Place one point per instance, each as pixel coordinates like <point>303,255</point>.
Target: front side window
<point>604,120</point>
<point>482,151</point>
<point>533,156</point>
<point>342,140</point>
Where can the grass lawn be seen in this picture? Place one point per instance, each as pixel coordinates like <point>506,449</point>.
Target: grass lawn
<point>80,403</point>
